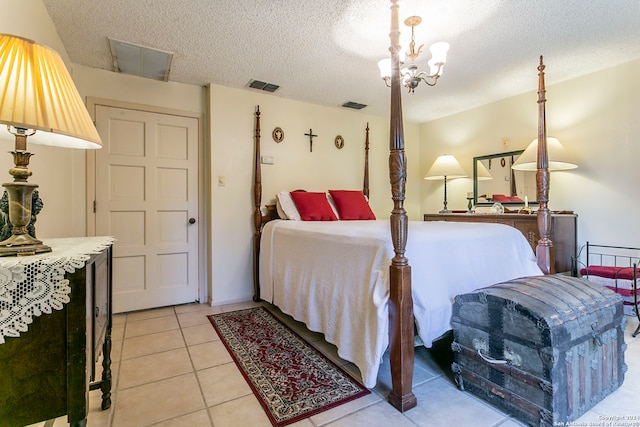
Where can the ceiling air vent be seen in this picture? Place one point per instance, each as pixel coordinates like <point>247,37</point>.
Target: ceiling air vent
<point>129,58</point>
<point>268,87</point>
<point>354,105</point>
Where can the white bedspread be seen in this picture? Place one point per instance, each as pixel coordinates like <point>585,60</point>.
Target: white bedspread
<point>334,276</point>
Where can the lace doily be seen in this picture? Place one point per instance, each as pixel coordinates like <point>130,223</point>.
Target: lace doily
<point>32,285</point>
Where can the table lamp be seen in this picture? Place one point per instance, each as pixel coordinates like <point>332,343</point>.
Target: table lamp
<point>38,101</point>
<point>445,167</point>
<point>558,158</point>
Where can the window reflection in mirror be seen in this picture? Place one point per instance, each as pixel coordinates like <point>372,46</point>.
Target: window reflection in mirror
<point>495,181</point>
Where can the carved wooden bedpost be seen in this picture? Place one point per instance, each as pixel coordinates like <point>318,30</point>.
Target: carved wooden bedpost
<point>257,215</point>
<point>544,250</point>
<point>365,185</point>
<point>400,301</point>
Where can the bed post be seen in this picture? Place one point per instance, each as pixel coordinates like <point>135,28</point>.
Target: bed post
<point>257,215</point>
<point>365,185</point>
<point>400,299</point>
<point>544,249</point>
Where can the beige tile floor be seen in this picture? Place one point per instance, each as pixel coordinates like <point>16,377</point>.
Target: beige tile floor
<point>171,370</point>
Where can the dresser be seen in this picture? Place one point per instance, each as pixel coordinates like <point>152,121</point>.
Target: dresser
<point>48,369</point>
<point>563,231</point>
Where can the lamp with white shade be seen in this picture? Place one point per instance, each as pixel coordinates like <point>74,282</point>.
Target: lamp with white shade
<point>558,158</point>
<point>38,101</point>
<point>482,173</point>
<point>445,167</point>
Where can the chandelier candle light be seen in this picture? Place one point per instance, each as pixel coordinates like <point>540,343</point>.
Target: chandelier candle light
<point>410,75</point>
<point>39,101</point>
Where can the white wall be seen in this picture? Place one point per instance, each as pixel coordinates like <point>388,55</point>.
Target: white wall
<point>137,90</point>
<point>30,19</point>
<point>57,171</point>
<point>595,117</point>
<point>232,154</point>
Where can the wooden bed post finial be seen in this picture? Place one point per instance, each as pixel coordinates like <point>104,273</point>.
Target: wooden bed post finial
<point>365,185</point>
<point>400,300</point>
<point>257,214</point>
<point>544,249</point>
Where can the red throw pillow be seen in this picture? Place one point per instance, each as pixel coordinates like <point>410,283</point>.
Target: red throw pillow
<point>351,204</point>
<point>313,206</point>
<point>500,198</point>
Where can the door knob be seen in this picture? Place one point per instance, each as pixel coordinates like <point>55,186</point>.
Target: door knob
<point>192,220</point>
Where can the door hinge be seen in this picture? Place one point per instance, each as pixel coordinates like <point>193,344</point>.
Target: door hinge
<point>94,206</point>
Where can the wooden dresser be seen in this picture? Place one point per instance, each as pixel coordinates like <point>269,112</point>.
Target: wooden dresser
<point>48,370</point>
<point>563,231</point>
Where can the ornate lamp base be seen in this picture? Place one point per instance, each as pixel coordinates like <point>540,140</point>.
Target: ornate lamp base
<point>19,208</point>
<point>24,250</point>
<point>22,245</point>
<point>20,242</point>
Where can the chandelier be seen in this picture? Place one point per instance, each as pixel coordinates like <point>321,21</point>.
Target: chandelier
<point>410,75</point>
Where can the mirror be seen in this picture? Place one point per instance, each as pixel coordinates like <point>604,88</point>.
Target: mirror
<point>495,181</point>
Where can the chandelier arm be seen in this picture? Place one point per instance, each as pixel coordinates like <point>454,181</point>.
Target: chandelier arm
<point>435,80</point>
<point>435,75</point>
<point>426,77</point>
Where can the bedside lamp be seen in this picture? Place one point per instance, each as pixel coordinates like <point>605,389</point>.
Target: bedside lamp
<point>38,101</point>
<point>558,159</point>
<point>445,167</point>
<point>483,173</point>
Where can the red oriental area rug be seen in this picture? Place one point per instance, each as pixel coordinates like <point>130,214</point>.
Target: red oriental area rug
<point>290,378</point>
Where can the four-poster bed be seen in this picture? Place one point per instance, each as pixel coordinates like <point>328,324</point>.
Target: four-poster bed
<point>399,304</point>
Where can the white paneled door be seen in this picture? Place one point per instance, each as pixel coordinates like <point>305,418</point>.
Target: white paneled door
<point>147,198</point>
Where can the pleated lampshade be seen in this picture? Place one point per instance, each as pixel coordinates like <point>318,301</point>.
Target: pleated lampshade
<point>37,93</point>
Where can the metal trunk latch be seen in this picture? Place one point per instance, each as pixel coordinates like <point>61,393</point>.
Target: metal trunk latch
<point>595,335</point>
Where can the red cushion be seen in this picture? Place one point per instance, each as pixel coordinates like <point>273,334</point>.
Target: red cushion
<point>351,204</point>
<point>503,199</point>
<point>609,272</point>
<point>313,206</point>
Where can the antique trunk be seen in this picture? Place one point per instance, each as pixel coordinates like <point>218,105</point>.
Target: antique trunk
<point>544,349</point>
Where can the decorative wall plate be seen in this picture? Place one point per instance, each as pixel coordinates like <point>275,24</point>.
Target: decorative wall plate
<point>339,142</point>
<point>277,134</point>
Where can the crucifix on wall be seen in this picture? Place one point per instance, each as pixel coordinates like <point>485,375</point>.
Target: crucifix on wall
<point>310,135</point>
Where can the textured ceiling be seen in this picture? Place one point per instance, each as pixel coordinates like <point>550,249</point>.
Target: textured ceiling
<point>326,51</point>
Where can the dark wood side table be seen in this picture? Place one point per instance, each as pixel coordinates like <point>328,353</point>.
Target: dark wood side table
<point>48,370</point>
<point>563,231</point>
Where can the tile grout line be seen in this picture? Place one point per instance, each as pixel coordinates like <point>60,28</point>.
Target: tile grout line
<point>195,373</point>
<point>116,380</point>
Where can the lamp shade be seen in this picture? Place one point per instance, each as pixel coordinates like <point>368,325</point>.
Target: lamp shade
<point>482,172</point>
<point>445,165</point>
<point>385,67</point>
<point>558,158</point>
<point>37,93</point>
<point>439,52</point>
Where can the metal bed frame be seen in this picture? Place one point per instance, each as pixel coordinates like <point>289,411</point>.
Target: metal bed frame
<point>616,256</point>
